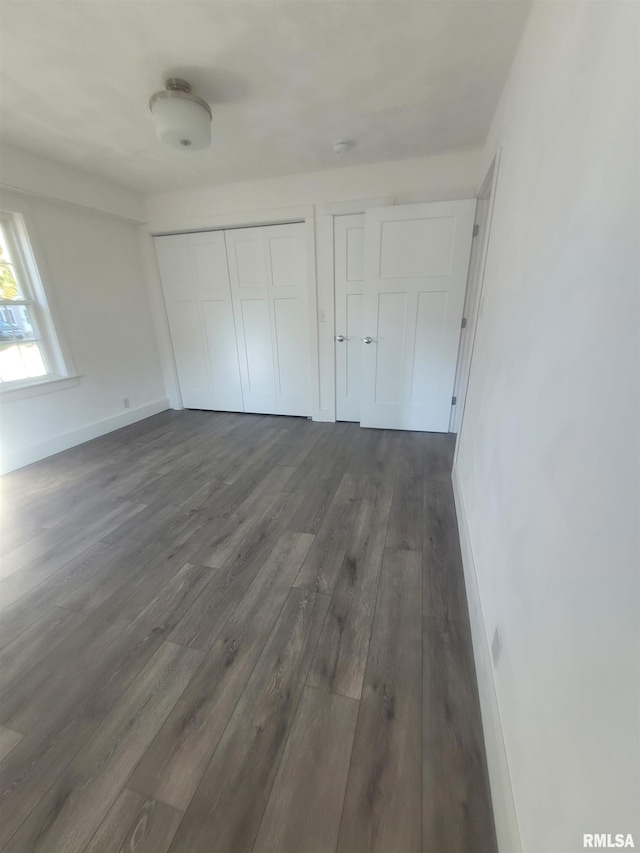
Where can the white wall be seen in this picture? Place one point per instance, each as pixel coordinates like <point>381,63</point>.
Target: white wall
<point>449,176</point>
<point>547,468</point>
<point>92,266</point>
<point>306,196</point>
<point>31,174</point>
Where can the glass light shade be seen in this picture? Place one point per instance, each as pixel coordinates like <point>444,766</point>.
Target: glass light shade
<point>181,122</point>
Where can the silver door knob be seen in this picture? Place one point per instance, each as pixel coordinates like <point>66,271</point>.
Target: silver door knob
<point>367,340</point>
<point>340,338</point>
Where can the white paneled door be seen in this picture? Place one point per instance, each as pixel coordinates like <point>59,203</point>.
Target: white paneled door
<point>267,268</point>
<point>195,281</point>
<point>416,259</point>
<point>237,305</point>
<point>348,275</point>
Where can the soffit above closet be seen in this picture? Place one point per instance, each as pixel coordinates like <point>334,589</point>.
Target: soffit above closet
<point>284,80</point>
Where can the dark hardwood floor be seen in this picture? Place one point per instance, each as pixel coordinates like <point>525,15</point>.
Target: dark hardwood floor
<point>230,633</point>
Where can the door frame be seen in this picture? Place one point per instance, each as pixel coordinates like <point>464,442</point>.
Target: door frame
<point>327,294</point>
<point>225,222</point>
<point>474,299</point>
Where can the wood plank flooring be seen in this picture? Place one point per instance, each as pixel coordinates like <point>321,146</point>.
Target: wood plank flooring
<point>228,633</point>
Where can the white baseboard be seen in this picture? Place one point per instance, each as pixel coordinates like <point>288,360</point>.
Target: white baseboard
<point>501,791</point>
<point>27,455</point>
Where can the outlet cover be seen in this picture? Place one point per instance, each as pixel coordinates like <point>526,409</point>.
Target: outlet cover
<point>126,402</point>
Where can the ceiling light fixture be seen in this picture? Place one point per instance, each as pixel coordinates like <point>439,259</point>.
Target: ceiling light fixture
<point>182,120</point>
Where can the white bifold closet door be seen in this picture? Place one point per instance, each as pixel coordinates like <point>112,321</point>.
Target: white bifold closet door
<point>237,305</point>
<point>195,281</point>
<point>267,267</point>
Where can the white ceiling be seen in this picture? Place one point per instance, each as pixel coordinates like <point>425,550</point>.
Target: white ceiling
<point>284,79</point>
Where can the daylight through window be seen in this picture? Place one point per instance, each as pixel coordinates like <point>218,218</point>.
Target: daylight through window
<point>23,351</point>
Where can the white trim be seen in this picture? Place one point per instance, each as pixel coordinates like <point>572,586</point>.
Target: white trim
<point>472,312</point>
<point>62,442</point>
<point>312,302</point>
<point>32,258</point>
<point>35,387</point>
<point>67,202</point>
<point>160,320</point>
<point>241,219</point>
<point>345,208</point>
<point>326,329</point>
<point>43,178</point>
<point>504,809</point>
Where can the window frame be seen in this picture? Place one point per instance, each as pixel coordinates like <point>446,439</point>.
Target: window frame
<point>36,294</point>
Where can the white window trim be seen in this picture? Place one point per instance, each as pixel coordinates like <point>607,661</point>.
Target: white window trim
<point>35,387</point>
<point>27,257</point>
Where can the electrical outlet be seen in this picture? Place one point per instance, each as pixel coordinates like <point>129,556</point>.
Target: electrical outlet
<point>126,402</point>
<point>496,647</point>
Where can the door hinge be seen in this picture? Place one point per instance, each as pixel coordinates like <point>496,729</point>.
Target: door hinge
<point>454,400</point>
<point>476,230</point>
<point>463,325</point>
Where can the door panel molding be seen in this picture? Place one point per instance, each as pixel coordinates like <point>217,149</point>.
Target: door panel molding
<point>193,273</point>
<point>419,252</point>
<point>275,357</point>
<point>239,317</point>
<point>329,213</point>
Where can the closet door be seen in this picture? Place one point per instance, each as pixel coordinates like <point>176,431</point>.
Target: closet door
<point>416,259</point>
<point>348,276</point>
<point>195,281</point>
<point>267,267</point>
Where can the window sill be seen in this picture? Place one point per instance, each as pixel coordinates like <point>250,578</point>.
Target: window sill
<point>37,387</point>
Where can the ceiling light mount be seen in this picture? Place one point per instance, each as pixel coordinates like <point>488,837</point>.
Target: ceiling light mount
<point>182,119</point>
<point>177,84</point>
<point>342,146</point>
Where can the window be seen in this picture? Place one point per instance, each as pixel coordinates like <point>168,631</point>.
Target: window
<point>30,353</point>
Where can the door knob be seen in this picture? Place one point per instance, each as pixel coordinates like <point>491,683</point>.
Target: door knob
<point>340,338</point>
<point>367,340</point>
